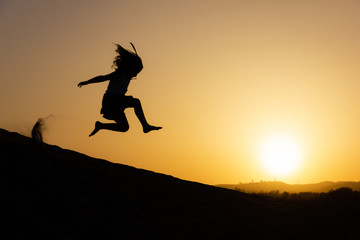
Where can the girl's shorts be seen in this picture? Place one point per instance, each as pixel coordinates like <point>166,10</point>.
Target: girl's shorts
<point>113,105</point>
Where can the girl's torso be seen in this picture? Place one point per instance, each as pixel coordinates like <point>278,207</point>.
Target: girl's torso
<point>118,84</point>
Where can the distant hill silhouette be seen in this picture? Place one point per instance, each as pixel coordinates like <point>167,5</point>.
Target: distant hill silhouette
<point>50,193</point>
<point>258,187</point>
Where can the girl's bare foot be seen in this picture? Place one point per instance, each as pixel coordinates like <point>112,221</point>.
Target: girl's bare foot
<point>150,128</point>
<point>96,129</point>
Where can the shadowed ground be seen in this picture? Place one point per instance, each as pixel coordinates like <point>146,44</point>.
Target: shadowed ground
<point>50,193</point>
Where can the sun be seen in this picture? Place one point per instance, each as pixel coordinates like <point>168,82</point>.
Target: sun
<point>280,156</point>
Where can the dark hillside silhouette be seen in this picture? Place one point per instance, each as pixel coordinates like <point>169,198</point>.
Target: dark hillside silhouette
<point>50,193</point>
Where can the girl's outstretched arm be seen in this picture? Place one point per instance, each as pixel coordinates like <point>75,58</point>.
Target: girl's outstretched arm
<point>97,79</point>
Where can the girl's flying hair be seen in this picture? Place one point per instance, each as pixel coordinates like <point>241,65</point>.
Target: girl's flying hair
<point>127,60</point>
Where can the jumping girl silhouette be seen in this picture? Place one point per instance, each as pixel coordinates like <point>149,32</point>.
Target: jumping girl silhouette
<point>127,65</point>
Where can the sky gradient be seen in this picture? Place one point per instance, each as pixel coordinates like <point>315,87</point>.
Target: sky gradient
<point>219,76</point>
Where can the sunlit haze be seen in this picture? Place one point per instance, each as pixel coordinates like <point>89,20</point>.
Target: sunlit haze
<point>223,78</point>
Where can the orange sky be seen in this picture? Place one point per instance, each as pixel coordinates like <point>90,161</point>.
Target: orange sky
<point>219,76</point>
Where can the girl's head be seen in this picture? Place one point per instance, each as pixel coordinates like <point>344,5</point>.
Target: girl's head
<point>127,61</point>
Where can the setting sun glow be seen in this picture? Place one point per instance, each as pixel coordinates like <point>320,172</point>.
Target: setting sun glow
<point>280,156</point>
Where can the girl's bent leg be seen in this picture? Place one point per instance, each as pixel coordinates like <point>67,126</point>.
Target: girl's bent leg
<point>121,125</point>
<point>96,129</point>
<point>141,116</point>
